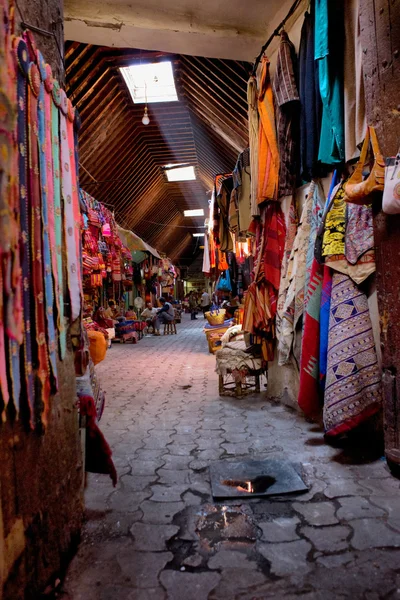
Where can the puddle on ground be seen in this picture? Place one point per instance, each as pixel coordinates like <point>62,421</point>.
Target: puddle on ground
<point>225,525</point>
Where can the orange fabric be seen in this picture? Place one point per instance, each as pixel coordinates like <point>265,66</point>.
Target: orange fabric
<point>268,154</point>
<point>222,262</point>
<point>97,346</point>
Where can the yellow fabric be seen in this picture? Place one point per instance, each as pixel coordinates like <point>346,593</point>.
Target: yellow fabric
<point>268,154</point>
<point>335,226</point>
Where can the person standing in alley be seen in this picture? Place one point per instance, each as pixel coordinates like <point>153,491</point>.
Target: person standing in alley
<point>192,305</point>
<point>205,302</point>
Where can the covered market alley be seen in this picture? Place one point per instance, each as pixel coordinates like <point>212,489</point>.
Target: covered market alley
<point>199,316</point>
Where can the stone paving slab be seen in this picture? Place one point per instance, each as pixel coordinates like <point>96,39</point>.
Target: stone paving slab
<point>159,536</point>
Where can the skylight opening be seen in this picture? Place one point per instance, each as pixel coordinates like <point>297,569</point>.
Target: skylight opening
<point>194,212</point>
<point>180,174</point>
<point>150,82</point>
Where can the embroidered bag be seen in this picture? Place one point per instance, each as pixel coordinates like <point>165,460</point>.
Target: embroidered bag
<point>391,193</point>
<point>357,190</point>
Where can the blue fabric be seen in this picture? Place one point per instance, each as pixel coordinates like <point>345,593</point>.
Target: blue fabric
<point>329,41</point>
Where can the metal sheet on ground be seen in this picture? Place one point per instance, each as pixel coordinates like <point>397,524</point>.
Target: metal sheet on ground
<point>255,478</point>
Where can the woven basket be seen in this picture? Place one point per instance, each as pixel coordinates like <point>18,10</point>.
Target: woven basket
<point>216,317</point>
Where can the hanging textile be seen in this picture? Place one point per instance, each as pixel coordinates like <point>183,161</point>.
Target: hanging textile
<point>329,42</point>
<point>58,227</point>
<point>11,310</point>
<point>318,205</point>
<point>268,154</point>
<point>308,397</point>
<point>292,288</point>
<point>354,98</point>
<point>288,114</point>
<point>45,187</point>
<point>70,196</point>
<point>353,382</point>
<point>206,257</point>
<point>36,237</point>
<point>21,54</point>
<point>252,99</point>
<point>310,98</point>
<point>324,324</point>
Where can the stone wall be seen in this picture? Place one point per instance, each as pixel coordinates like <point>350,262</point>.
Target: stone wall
<point>41,474</point>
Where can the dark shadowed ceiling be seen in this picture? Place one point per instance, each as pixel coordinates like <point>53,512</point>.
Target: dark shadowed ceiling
<point>121,160</point>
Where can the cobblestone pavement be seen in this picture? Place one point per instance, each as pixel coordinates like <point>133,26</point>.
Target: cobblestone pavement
<point>159,535</point>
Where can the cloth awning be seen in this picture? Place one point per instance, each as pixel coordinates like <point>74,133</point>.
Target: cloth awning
<point>134,242</point>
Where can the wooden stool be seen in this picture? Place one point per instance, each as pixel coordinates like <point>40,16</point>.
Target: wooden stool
<point>170,328</point>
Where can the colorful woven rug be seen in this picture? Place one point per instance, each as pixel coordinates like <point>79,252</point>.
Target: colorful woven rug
<point>353,382</point>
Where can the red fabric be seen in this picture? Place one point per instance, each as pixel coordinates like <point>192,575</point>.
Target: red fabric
<point>309,388</point>
<point>98,452</point>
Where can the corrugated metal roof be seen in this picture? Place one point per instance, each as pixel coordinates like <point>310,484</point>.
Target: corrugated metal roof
<point>121,159</point>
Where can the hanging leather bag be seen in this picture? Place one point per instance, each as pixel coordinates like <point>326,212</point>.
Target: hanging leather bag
<point>359,190</point>
<point>391,194</point>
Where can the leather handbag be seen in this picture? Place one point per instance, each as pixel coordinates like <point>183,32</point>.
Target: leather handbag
<point>391,193</point>
<point>359,190</point>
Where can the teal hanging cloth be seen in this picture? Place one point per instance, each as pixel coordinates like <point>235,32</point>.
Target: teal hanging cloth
<point>329,48</point>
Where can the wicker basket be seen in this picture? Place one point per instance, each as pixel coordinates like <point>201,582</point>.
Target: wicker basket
<point>216,317</point>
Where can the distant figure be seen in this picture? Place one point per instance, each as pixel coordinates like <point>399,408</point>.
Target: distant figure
<point>205,302</point>
<point>192,305</point>
<point>166,314</point>
<point>112,311</point>
<point>150,314</point>
<point>130,314</point>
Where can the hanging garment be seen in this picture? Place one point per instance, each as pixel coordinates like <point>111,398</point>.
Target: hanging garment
<point>292,288</point>
<point>354,98</point>
<point>71,226</point>
<point>223,200</point>
<point>318,205</point>
<point>310,98</point>
<point>268,154</point>
<point>21,53</point>
<point>58,225</point>
<point>274,246</point>
<point>206,257</point>
<point>37,272</point>
<point>252,99</point>
<point>288,114</point>
<point>324,324</point>
<point>353,382</point>
<point>308,397</point>
<point>333,241</point>
<point>359,231</point>
<point>329,41</point>
<point>243,179</point>
<point>359,239</point>
<point>43,126</point>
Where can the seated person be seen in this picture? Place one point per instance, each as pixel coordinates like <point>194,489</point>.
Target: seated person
<point>130,314</point>
<point>165,314</point>
<point>112,311</point>
<point>149,314</point>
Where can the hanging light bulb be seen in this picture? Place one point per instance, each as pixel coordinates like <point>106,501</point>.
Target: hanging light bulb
<point>145,118</point>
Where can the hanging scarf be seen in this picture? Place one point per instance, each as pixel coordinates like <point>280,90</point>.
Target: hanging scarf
<point>71,227</point>
<point>48,279</point>
<point>268,155</point>
<point>36,238</point>
<point>353,381</point>
<point>59,288</point>
<point>253,141</point>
